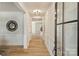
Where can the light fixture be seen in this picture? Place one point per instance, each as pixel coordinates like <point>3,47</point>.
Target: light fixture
<point>37,11</point>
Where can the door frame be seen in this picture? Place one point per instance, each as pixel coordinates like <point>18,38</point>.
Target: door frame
<point>56,6</point>
<point>55,48</point>
<point>78,29</point>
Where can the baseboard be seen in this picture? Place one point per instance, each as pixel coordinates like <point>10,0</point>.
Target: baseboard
<point>28,43</point>
<point>21,46</point>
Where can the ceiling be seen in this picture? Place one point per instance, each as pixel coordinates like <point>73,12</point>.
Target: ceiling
<point>8,7</point>
<point>43,6</point>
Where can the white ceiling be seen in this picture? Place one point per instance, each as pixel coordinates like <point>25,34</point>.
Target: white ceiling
<point>43,6</point>
<point>8,7</point>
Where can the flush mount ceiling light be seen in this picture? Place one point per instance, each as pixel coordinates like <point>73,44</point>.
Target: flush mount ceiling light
<point>37,11</point>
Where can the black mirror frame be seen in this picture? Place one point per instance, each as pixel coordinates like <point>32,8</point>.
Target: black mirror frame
<point>8,25</point>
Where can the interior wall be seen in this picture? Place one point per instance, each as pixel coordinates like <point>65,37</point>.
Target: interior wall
<point>27,26</point>
<point>49,28</point>
<point>8,37</point>
<point>27,29</point>
<point>9,11</point>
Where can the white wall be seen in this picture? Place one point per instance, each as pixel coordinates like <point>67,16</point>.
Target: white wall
<point>27,25</point>
<point>27,29</point>
<point>8,37</point>
<point>49,23</point>
<point>9,11</point>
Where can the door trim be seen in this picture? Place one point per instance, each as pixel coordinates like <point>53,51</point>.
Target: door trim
<point>78,29</point>
<point>55,48</point>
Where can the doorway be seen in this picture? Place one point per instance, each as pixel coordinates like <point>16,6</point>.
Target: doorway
<point>36,28</point>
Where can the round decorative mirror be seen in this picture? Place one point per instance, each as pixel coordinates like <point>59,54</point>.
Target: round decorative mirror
<point>12,25</point>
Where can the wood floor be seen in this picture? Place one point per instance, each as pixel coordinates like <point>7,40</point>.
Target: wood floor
<point>36,48</point>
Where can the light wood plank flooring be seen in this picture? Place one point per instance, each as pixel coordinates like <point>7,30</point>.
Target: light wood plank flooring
<point>36,48</point>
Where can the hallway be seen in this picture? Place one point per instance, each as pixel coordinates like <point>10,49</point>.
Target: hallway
<point>55,22</point>
<point>36,48</point>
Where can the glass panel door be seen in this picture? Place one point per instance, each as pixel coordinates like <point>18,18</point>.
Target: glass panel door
<point>59,40</point>
<point>59,28</point>
<point>70,39</point>
<point>70,28</point>
<point>66,28</point>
